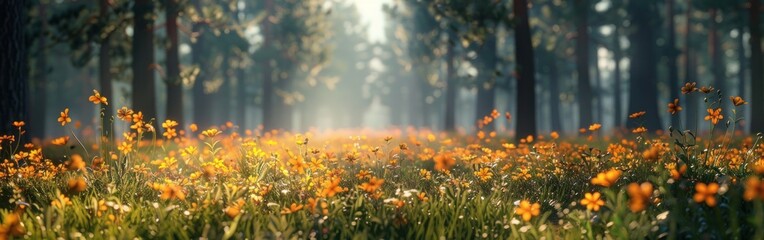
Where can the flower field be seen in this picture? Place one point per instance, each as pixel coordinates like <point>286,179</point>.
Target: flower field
<point>169,181</point>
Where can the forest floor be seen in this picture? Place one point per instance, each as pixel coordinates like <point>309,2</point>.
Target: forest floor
<point>219,184</point>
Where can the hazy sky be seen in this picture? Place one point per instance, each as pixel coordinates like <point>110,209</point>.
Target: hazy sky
<point>371,13</point>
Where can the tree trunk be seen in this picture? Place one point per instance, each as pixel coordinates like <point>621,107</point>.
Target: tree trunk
<point>717,67</point>
<point>174,81</point>
<point>742,83</point>
<point>554,93</point>
<point>673,69</point>
<point>643,90</point>
<point>757,83</point>
<point>269,111</point>
<point>13,66</point>
<point>451,86</point>
<point>597,89</point>
<point>584,95</point>
<point>486,96</point>
<point>144,92</point>
<point>38,96</point>
<point>618,114</point>
<point>526,76</point>
<point>200,57</point>
<point>691,113</point>
<point>104,75</point>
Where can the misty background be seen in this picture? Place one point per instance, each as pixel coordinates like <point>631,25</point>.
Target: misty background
<point>552,65</point>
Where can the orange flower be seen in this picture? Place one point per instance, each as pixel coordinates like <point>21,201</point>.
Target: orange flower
<point>64,118</point>
<point>527,210</point>
<point>637,115</point>
<point>96,98</point>
<point>706,89</point>
<point>639,130</point>
<point>484,174</point>
<point>592,201</point>
<point>674,107</point>
<point>754,188</point>
<point>373,184</point>
<point>444,161</point>
<point>595,127</point>
<point>737,101</point>
<point>607,178</point>
<point>125,114</point>
<point>706,193</point>
<point>234,209</point>
<point>689,87</point>
<point>171,191</point>
<point>714,115</point>
<point>60,141</point>
<point>639,195</point>
<point>331,187</point>
<point>76,162</point>
<point>77,184</point>
<point>12,226</point>
<point>292,209</point>
<point>554,135</point>
<point>18,124</point>
<point>422,197</point>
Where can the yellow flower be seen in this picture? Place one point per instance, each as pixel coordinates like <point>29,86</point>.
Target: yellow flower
<point>212,132</point>
<point>484,174</point>
<point>592,201</point>
<point>96,98</point>
<point>64,118</point>
<point>706,193</point>
<point>595,127</point>
<point>527,210</point>
<point>607,178</point>
<point>714,115</point>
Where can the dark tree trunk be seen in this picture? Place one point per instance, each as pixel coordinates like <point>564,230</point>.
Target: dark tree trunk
<point>554,94</point>
<point>643,90</point>
<point>741,75</point>
<point>38,96</point>
<point>144,92</point>
<point>584,95</point>
<point>671,52</point>
<point>104,75</point>
<point>451,86</point>
<point>597,90</point>
<point>486,95</point>
<point>618,114</point>
<point>717,67</point>
<point>200,58</point>
<point>526,76</point>
<point>691,113</point>
<point>243,99</point>
<point>269,110</point>
<point>13,66</point>
<point>757,83</point>
<point>174,82</point>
